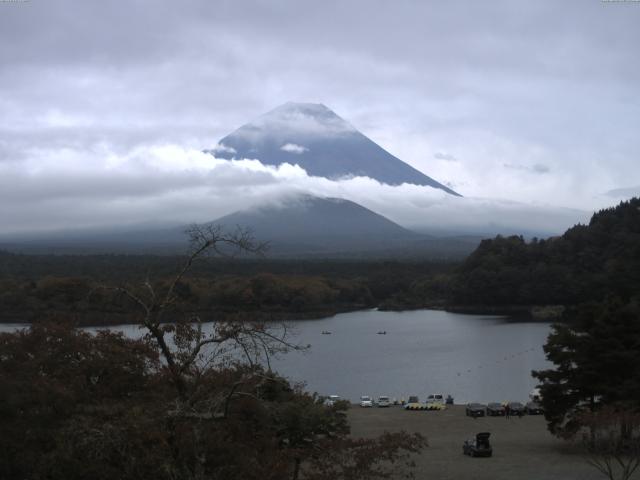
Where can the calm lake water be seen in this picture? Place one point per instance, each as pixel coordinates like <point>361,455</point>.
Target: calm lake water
<point>472,357</point>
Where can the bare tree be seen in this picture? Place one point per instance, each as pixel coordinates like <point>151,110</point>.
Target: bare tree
<point>187,349</point>
<point>612,443</point>
<point>193,356</point>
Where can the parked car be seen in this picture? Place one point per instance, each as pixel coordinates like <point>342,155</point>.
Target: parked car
<point>534,408</point>
<point>383,401</point>
<point>516,408</point>
<point>495,409</point>
<point>435,398</point>
<point>478,446</point>
<point>366,401</point>
<point>414,403</point>
<point>331,400</point>
<point>475,410</point>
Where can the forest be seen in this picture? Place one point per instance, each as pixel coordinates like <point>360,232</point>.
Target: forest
<point>35,285</point>
<point>588,262</point>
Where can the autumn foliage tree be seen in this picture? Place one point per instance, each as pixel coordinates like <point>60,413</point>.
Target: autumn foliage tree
<point>187,400</point>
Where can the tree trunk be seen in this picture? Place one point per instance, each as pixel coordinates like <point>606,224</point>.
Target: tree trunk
<point>296,469</point>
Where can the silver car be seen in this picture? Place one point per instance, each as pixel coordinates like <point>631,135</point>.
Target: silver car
<point>366,401</point>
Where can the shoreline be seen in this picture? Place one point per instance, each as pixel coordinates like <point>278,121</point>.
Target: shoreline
<point>93,319</point>
<point>516,313</point>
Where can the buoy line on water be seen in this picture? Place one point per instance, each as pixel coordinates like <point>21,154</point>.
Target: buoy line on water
<point>502,360</point>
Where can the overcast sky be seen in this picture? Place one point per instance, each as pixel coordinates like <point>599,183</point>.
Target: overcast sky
<point>104,105</point>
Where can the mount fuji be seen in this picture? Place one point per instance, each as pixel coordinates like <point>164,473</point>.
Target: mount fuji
<point>325,145</point>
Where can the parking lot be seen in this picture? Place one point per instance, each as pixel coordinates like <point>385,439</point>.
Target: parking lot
<point>523,449</point>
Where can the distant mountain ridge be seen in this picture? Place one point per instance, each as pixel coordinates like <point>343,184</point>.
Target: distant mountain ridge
<point>301,226</point>
<point>314,137</point>
<point>312,224</point>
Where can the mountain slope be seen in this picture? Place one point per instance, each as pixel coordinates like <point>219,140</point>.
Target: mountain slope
<point>298,227</point>
<point>325,145</point>
<point>312,224</point>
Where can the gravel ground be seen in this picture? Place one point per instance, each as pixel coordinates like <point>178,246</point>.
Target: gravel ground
<point>522,447</point>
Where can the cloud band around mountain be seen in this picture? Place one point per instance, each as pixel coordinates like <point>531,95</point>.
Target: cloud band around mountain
<point>168,184</point>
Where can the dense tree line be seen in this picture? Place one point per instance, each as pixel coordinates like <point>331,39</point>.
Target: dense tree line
<point>588,262</point>
<point>263,294</point>
<point>116,267</point>
<point>593,390</point>
<point>36,286</point>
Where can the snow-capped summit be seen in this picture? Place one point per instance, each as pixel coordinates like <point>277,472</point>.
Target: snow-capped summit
<point>324,144</point>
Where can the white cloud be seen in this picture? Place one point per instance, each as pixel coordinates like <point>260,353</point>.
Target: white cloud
<point>451,81</point>
<point>537,168</point>
<point>170,184</point>
<point>306,120</point>
<point>626,192</point>
<point>222,148</point>
<point>293,148</point>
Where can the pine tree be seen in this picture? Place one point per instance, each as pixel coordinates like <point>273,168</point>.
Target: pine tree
<point>597,363</point>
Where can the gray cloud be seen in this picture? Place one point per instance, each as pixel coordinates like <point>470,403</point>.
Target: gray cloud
<point>173,185</point>
<point>549,86</point>
<point>624,192</point>
<point>445,156</point>
<point>535,168</point>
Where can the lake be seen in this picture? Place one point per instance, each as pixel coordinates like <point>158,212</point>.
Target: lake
<point>472,357</point>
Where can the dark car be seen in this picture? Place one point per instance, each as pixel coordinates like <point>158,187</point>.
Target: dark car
<point>516,409</point>
<point>478,446</point>
<point>495,410</point>
<point>534,408</point>
<point>475,410</point>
